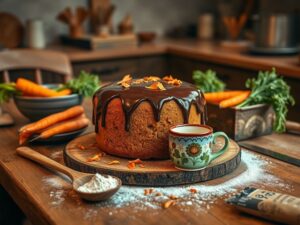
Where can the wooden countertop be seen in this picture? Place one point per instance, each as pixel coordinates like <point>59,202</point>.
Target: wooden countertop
<point>198,50</point>
<point>23,180</point>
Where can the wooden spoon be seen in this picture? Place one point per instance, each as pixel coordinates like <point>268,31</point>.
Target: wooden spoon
<point>78,178</point>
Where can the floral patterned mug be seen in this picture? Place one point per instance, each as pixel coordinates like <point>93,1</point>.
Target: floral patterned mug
<point>190,146</point>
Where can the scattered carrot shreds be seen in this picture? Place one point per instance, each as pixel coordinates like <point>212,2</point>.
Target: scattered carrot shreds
<point>96,157</point>
<point>168,203</point>
<point>125,85</point>
<point>126,78</point>
<point>141,165</point>
<point>161,86</point>
<point>148,191</point>
<point>131,165</point>
<point>81,147</point>
<point>125,82</point>
<point>136,161</point>
<point>168,78</point>
<point>138,81</point>
<point>151,78</point>
<point>156,86</point>
<point>173,197</point>
<point>172,81</point>
<point>114,162</point>
<point>193,190</point>
<point>175,82</point>
<point>158,194</point>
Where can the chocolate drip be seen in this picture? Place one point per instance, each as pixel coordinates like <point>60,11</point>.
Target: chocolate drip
<point>184,95</point>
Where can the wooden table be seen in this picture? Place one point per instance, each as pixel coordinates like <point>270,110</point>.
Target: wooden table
<point>23,180</point>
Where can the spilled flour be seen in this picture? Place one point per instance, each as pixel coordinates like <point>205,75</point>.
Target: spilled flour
<point>200,196</point>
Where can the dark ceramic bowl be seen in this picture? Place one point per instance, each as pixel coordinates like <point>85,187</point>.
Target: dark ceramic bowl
<point>146,36</point>
<point>35,108</point>
<point>59,138</point>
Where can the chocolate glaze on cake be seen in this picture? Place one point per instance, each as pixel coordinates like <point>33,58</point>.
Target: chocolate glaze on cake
<point>184,95</point>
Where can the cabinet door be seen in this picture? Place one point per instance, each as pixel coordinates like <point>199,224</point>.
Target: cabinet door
<point>112,70</point>
<point>152,65</point>
<point>234,77</point>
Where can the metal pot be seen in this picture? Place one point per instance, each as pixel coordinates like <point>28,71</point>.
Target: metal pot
<point>276,31</point>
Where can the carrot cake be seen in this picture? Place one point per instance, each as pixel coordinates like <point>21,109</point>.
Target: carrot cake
<point>132,117</point>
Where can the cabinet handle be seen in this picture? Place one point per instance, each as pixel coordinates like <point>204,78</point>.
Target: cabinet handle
<point>105,71</point>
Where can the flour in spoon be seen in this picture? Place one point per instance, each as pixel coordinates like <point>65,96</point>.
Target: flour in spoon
<point>98,183</point>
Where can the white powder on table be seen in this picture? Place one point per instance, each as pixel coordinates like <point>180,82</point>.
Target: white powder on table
<point>99,183</point>
<point>255,174</point>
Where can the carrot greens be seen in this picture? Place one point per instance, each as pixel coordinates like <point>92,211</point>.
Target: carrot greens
<point>85,84</point>
<point>271,89</point>
<point>7,90</point>
<point>208,81</point>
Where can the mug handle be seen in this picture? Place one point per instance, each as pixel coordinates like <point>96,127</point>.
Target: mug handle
<point>225,147</point>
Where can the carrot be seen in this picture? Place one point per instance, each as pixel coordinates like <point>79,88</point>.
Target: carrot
<point>64,92</point>
<point>48,121</point>
<point>32,89</point>
<point>234,100</point>
<point>68,126</point>
<point>214,97</point>
<point>23,137</point>
<point>55,118</point>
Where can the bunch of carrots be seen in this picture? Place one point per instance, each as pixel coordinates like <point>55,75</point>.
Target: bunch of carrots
<point>69,120</point>
<point>85,85</point>
<point>226,99</point>
<point>29,88</point>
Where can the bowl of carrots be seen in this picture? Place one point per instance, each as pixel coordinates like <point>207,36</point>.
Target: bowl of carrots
<point>35,108</point>
<point>37,101</point>
<point>57,127</point>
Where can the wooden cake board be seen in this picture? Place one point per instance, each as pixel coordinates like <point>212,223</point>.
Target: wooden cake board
<point>155,172</point>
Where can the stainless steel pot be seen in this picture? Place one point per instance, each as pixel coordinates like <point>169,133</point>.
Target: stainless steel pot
<point>277,31</point>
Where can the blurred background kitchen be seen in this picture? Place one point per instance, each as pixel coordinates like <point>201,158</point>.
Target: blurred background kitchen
<point>116,37</point>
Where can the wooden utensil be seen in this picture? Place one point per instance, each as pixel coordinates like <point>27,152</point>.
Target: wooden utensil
<point>74,21</point>
<point>78,178</point>
<point>234,25</point>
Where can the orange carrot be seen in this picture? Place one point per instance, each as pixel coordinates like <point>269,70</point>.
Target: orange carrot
<point>68,126</point>
<point>64,92</point>
<point>234,100</point>
<point>28,130</point>
<point>55,118</point>
<point>32,89</point>
<point>214,97</point>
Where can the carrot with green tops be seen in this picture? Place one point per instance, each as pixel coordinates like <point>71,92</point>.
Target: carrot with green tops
<point>213,97</point>
<point>30,88</point>
<point>67,126</point>
<point>234,100</point>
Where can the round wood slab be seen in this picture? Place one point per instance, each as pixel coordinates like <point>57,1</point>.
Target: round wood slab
<point>155,172</point>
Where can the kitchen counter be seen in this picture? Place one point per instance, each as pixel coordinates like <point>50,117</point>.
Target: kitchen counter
<point>210,52</point>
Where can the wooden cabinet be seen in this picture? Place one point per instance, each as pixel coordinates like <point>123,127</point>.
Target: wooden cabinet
<point>113,70</point>
<point>110,70</point>
<point>183,68</point>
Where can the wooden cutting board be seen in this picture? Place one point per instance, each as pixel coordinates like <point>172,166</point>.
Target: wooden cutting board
<point>285,147</point>
<point>155,173</point>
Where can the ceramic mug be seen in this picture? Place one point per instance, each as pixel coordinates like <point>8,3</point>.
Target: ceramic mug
<point>190,146</point>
